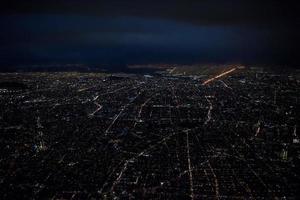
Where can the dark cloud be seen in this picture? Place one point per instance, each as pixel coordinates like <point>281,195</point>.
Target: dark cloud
<point>253,12</point>
<point>149,31</point>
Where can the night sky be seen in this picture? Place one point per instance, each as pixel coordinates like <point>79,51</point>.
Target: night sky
<point>139,32</point>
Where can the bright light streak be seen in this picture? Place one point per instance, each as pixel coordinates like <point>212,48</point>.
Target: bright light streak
<point>219,76</point>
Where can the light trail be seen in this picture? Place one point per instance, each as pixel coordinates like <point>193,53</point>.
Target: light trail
<point>258,128</point>
<point>225,85</point>
<point>172,70</point>
<point>189,165</point>
<point>209,110</point>
<point>141,109</point>
<point>115,119</point>
<point>87,88</point>
<point>216,183</point>
<point>257,131</point>
<point>219,76</point>
<point>99,107</point>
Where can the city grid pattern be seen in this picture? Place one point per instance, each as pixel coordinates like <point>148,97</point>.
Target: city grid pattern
<point>101,136</point>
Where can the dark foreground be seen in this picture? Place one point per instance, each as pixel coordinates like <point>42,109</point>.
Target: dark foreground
<point>85,136</point>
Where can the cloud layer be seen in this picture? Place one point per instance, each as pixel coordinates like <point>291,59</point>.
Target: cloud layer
<point>125,32</point>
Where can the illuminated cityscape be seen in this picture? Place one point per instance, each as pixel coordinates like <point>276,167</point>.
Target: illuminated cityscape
<point>149,100</point>
<point>160,136</point>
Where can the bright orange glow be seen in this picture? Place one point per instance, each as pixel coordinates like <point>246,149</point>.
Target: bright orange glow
<point>219,76</point>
